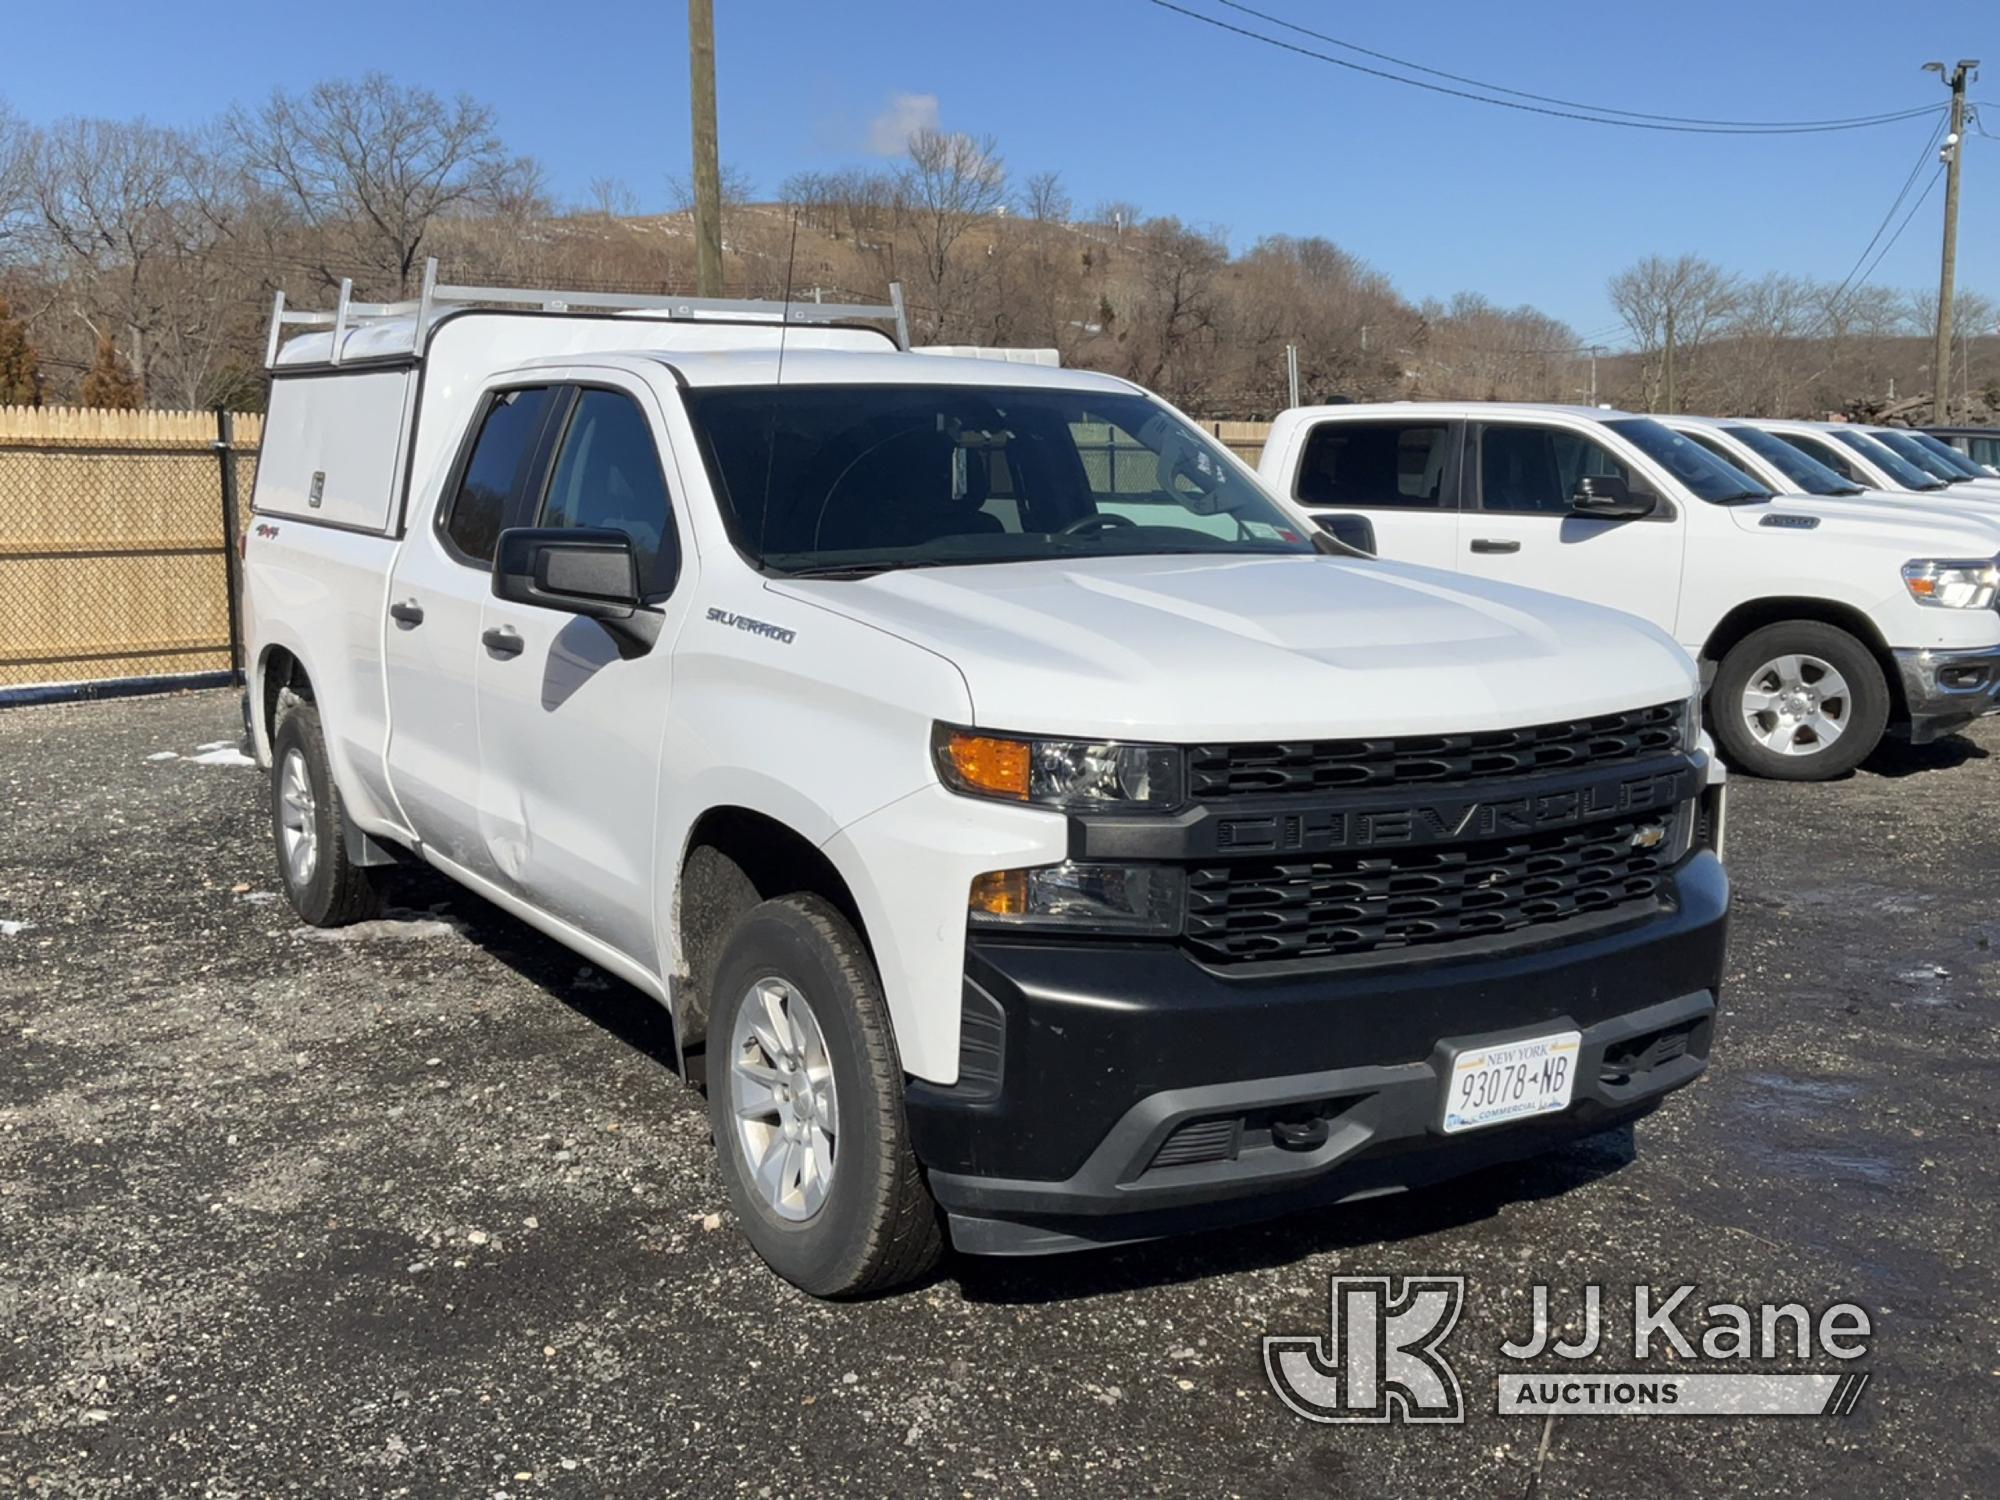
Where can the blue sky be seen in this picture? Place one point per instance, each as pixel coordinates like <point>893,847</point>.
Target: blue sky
<point>1130,101</point>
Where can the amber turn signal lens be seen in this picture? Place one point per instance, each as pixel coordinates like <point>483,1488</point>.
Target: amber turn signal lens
<point>984,763</point>
<point>1000,893</point>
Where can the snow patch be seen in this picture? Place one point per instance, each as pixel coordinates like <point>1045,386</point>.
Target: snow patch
<point>222,755</point>
<point>164,755</point>
<point>394,926</point>
<point>10,929</point>
<point>217,745</point>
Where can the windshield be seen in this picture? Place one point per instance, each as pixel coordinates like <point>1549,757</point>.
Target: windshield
<point>1906,447</point>
<point>1693,465</point>
<point>1947,455</point>
<point>1810,475</point>
<point>1898,468</point>
<point>860,478</point>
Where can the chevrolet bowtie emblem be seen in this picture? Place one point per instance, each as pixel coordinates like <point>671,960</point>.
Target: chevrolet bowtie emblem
<point>1649,837</point>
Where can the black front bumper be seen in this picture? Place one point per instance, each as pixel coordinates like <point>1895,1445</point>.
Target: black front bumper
<point>1121,1091</point>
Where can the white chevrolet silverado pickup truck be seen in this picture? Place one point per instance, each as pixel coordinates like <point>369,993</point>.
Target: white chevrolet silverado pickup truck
<point>1821,621</point>
<point>1037,840</point>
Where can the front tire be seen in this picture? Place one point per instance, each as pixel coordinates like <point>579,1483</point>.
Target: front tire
<point>805,1095</point>
<point>1799,701</point>
<point>308,827</point>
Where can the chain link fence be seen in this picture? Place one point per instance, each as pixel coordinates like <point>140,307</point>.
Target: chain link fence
<point>117,545</point>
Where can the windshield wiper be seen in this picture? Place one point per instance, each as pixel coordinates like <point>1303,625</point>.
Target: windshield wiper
<point>1742,497</point>
<point>859,570</point>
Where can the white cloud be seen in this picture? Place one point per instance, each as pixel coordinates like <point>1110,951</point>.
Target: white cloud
<point>889,132</point>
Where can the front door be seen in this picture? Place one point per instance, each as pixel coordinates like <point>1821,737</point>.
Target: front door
<point>570,724</point>
<point>1517,526</point>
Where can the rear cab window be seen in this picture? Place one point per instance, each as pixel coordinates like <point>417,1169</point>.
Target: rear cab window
<point>1379,466</point>
<point>495,471</point>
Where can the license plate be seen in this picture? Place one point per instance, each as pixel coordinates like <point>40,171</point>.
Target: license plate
<point>1511,1081</point>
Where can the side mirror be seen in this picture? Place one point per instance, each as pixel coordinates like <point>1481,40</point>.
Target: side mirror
<point>1606,497</point>
<point>588,572</point>
<point>1355,532</point>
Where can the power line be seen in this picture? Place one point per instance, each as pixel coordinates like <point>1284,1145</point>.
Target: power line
<point>1850,122</point>
<point>1854,276</point>
<point>1580,112</point>
<point>1921,199</point>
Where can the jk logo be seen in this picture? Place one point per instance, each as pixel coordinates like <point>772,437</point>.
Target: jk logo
<point>1380,1362</point>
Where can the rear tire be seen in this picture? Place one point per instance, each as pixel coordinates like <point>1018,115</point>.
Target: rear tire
<point>1799,701</point>
<point>308,827</point>
<point>805,1094</point>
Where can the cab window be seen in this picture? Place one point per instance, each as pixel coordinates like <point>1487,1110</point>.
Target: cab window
<point>1536,469</point>
<point>1376,465</point>
<point>607,475</point>
<point>1826,453</point>
<point>495,471</point>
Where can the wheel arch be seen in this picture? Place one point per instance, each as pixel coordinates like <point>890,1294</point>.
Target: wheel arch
<point>1753,615</point>
<point>762,857</point>
<point>278,668</point>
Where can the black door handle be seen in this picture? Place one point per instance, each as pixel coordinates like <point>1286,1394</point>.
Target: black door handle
<point>1494,544</point>
<point>408,612</point>
<point>503,640</point>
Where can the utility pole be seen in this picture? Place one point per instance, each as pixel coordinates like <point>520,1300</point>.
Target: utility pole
<point>1292,371</point>
<point>707,164</point>
<point>1593,373</point>
<point>1670,401</point>
<point>1954,148</point>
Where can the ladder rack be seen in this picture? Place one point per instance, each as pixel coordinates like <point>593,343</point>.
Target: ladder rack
<point>433,300</point>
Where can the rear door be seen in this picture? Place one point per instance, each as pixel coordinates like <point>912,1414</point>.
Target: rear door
<point>1518,527</point>
<point>437,595</point>
<point>570,725</point>
<point>1397,476</point>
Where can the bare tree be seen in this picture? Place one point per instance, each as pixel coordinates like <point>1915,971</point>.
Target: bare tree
<point>1045,200</point>
<point>737,190</point>
<point>952,182</point>
<point>1176,316</point>
<point>1691,295</point>
<point>16,179</point>
<point>370,166</point>
<point>1473,347</point>
<point>128,218</point>
<point>611,198</point>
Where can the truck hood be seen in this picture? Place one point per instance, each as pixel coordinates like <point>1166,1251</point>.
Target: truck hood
<point>1915,524</point>
<point>1185,648</point>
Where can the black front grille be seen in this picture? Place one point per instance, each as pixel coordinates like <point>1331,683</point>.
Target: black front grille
<point>1218,772</point>
<point>1317,907</point>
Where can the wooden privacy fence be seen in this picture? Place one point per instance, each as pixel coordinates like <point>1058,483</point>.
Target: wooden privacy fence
<point>1244,439</point>
<point>116,558</point>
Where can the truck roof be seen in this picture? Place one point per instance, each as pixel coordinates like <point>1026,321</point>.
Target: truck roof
<point>1463,409</point>
<point>761,366</point>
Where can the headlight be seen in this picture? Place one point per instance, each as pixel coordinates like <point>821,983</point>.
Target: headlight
<point>1127,899</point>
<point>1945,584</point>
<point>1084,774</point>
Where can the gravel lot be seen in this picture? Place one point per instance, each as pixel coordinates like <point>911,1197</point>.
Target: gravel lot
<point>420,1209</point>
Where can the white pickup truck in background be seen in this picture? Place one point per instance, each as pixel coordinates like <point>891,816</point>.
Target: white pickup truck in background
<point>1886,460</point>
<point>1037,838</point>
<point>1821,622</point>
<point>1788,469</point>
